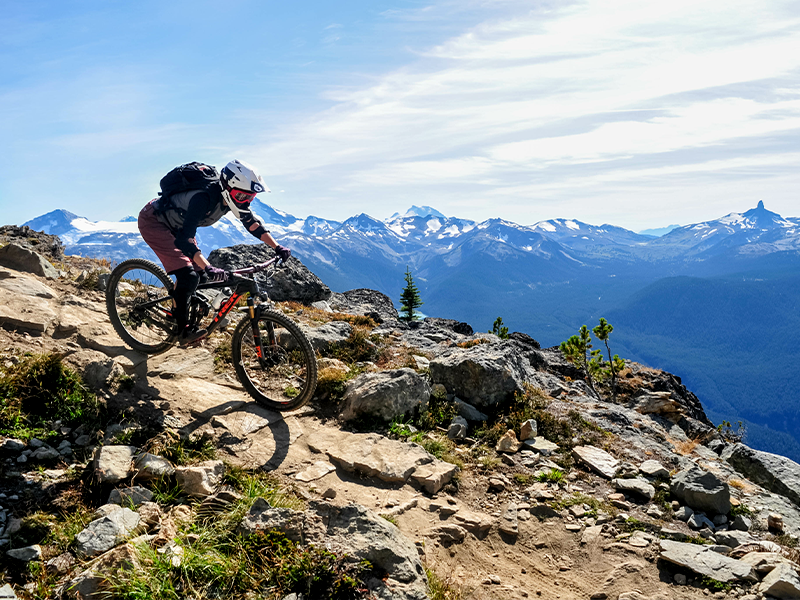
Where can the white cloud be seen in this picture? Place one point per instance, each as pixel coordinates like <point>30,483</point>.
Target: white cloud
<point>520,104</point>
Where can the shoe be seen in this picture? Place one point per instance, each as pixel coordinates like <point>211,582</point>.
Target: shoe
<point>191,335</point>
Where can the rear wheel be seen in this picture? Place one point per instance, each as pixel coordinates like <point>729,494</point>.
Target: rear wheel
<point>284,377</point>
<point>140,307</point>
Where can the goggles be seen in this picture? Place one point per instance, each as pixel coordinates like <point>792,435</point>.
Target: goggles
<point>241,196</point>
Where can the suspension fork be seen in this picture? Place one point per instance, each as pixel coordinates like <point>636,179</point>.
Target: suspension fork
<point>258,340</point>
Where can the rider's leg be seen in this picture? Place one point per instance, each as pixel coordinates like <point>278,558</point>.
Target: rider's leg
<point>186,280</point>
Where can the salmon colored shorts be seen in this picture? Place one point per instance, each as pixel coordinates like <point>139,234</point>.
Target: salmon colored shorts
<point>159,237</point>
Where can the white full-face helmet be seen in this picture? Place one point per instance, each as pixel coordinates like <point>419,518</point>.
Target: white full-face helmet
<point>240,184</point>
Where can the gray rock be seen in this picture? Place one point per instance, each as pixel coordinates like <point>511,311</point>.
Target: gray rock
<point>653,468</point>
<point>352,530</point>
<point>508,443</point>
<point>741,523</point>
<point>385,395</point>
<point>45,453</point>
<point>291,282</point>
<point>11,446</point>
<point>26,554</point>
<point>202,479</point>
<point>449,533</point>
<point>484,374</point>
<point>322,305</point>
<point>733,539</point>
<point>716,446</point>
<point>135,496</point>
<point>365,302</point>
<point>596,459</point>
<point>699,520</point>
<point>469,412</point>
<point>433,476</point>
<point>701,490</point>
<point>635,486</point>
<point>508,522</point>
<point>541,445</point>
<point>7,592</point>
<point>106,532</point>
<point>113,463</point>
<point>19,258</point>
<point>371,454</point>
<point>327,334</point>
<point>776,473</point>
<point>782,582</point>
<point>706,562</point>
<point>457,429</point>
<point>263,517</point>
<point>150,466</point>
<point>683,513</point>
<point>528,430</point>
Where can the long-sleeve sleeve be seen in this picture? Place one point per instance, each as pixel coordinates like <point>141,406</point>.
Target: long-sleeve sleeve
<point>199,206</point>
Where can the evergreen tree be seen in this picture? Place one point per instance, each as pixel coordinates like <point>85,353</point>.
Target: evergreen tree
<point>409,299</point>
<point>498,329</point>
<point>615,363</point>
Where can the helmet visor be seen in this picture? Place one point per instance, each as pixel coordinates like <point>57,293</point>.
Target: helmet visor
<point>241,197</point>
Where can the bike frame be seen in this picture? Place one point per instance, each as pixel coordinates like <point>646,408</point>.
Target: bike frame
<point>243,283</point>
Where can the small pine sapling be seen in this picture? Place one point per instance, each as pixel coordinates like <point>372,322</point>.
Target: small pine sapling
<point>615,363</point>
<point>578,351</point>
<point>410,299</point>
<point>498,329</point>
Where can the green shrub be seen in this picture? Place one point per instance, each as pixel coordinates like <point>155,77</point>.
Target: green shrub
<point>551,476</point>
<point>40,389</point>
<point>360,346</point>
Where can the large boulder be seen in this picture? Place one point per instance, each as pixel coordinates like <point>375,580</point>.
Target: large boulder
<point>385,395</point>
<point>782,582</point>
<point>377,456</point>
<point>293,281</point>
<point>19,258</point>
<point>776,473</point>
<point>482,375</point>
<point>364,301</point>
<point>702,490</point>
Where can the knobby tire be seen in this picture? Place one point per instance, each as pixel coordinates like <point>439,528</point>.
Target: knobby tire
<point>111,304</point>
<point>291,362</point>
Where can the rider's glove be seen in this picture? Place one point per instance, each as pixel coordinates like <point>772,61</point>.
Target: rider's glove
<point>216,275</point>
<point>283,252</point>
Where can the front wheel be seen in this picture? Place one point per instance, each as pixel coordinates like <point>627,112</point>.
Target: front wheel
<point>283,374</point>
<point>140,307</point>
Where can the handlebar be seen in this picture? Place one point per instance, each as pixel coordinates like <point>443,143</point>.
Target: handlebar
<point>258,268</point>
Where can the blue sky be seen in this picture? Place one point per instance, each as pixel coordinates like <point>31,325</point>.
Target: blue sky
<point>638,113</point>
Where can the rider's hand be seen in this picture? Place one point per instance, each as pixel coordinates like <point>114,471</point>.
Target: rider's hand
<point>283,252</point>
<point>216,275</point>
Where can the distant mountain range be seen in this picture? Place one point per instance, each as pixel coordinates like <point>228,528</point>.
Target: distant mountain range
<point>710,301</point>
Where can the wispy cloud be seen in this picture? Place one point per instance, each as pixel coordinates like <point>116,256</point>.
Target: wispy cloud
<point>636,91</point>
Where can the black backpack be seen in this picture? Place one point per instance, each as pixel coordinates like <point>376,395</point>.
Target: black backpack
<point>191,176</point>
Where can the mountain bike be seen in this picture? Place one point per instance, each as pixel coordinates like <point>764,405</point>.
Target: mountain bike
<point>273,358</point>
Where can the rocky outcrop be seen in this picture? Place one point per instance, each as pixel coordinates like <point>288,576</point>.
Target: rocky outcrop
<point>451,324</point>
<point>385,395</point>
<point>50,246</point>
<point>365,302</point>
<point>293,281</point>
<point>482,375</point>
<point>776,473</point>
<point>20,258</point>
<point>702,490</point>
<point>327,334</point>
<point>353,530</point>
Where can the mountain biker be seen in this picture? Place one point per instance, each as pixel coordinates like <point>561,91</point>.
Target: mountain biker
<point>169,225</point>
